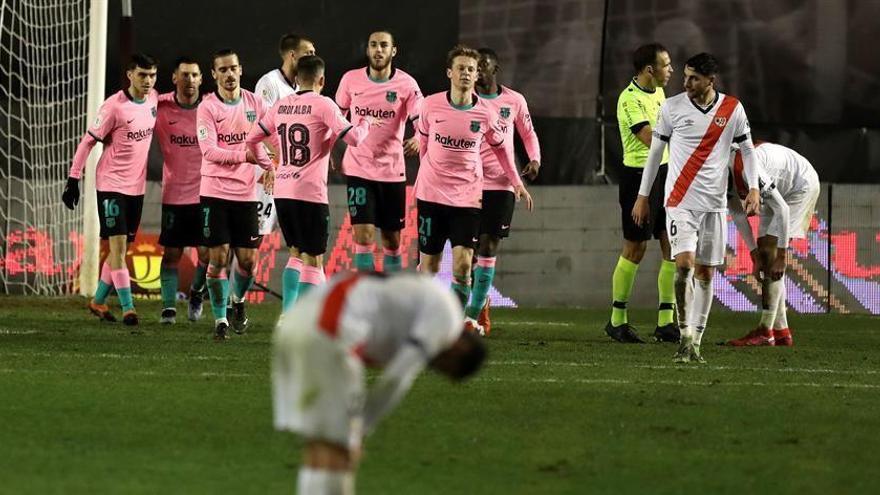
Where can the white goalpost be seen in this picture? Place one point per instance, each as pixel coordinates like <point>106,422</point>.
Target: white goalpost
<point>88,274</point>
<point>52,67</point>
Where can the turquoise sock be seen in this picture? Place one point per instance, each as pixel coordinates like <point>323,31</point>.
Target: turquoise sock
<point>462,292</point>
<point>199,277</point>
<point>363,262</point>
<point>218,288</point>
<point>392,263</point>
<point>482,283</point>
<point>290,287</point>
<point>102,292</point>
<point>242,284</point>
<point>125,300</point>
<point>168,277</point>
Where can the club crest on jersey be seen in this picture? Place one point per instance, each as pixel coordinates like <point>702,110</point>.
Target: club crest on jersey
<point>475,126</point>
<point>720,121</point>
<point>251,115</point>
<point>153,111</point>
<point>505,112</point>
<point>391,96</point>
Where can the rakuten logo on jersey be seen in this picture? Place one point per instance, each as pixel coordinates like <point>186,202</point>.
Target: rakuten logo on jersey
<point>451,142</point>
<point>139,135</point>
<point>376,114</point>
<point>232,137</point>
<point>183,140</point>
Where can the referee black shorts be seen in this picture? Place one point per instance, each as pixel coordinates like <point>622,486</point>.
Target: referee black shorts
<point>628,190</point>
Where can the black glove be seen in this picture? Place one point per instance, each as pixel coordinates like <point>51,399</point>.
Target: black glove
<point>70,196</point>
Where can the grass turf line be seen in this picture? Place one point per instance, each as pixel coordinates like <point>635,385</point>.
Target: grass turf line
<point>87,407</point>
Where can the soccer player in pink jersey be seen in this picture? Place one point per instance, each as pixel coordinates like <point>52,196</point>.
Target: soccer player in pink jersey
<point>274,85</point>
<point>375,172</point>
<point>125,126</point>
<point>181,177</point>
<point>303,128</point>
<point>512,112</point>
<point>700,126</point>
<point>227,189</point>
<point>452,127</point>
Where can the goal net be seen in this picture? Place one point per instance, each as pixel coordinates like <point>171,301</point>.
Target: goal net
<point>45,100</point>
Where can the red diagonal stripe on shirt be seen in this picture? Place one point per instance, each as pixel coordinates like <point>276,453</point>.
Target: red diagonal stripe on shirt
<point>704,149</point>
<point>329,319</point>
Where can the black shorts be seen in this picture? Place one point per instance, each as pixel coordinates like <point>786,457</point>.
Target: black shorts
<point>229,222</point>
<point>497,213</point>
<point>181,226</point>
<point>305,225</point>
<point>382,204</point>
<point>628,190</point>
<point>437,223</point>
<point>119,214</point>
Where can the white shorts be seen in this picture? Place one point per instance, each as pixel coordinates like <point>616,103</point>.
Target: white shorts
<point>801,206</point>
<point>318,385</point>
<point>266,211</point>
<point>699,232</point>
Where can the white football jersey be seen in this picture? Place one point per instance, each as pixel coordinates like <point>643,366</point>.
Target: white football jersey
<point>699,149</point>
<point>378,315</point>
<point>777,165</point>
<point>265,207</point>
<point>273,86</point>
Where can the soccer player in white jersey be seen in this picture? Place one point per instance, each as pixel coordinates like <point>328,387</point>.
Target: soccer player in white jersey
<point>401,324</point>
<point>700,126</point>
<point>271,87</point>
<point>790,188</point>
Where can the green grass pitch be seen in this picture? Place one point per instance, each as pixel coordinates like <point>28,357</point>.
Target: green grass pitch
<point>90,408</point>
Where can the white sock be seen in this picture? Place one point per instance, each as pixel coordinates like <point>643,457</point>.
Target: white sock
<point>313,481</point>
<point>684,296</point>
<point>699,313</point>
<point>781,316</point>
<point>772,292</point>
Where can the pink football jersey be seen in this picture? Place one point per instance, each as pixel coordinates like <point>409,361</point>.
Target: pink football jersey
<point>303,128</point>
<point>222,130</point>
<point>176,132</point>
<point>393,101</point>
<point>125,126</point>
<point>511,111</point>
<point>451,170</point>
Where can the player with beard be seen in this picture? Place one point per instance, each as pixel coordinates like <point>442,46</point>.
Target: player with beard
<point>700,126</point>
<point>228,193</point>
<point>375,171</point>
<point>512,112</point>
<point>181,177</point>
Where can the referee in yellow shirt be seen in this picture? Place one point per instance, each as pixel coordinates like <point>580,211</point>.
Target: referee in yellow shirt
<point>637,109</point>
